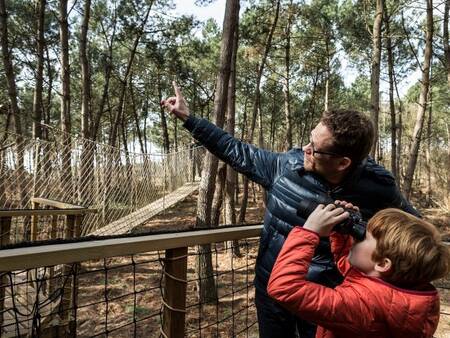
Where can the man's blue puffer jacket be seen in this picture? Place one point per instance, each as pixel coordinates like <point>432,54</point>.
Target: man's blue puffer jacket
<point>369,186</point>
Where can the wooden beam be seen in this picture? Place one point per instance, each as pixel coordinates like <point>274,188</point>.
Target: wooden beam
<point>55,203</point>
<point>49,255</point>
<point>45,212</point>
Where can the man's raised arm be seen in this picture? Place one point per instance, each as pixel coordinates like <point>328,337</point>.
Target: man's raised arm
<point>258,165</point>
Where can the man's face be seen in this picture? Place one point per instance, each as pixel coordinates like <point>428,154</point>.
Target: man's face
<point>360,255</point>
<point>321,140</point>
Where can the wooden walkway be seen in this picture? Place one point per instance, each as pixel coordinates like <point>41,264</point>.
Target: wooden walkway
<point>127,223</point>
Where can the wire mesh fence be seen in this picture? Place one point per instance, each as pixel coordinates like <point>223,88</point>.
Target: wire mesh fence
<point>114,181</point>
<point>127,296</point>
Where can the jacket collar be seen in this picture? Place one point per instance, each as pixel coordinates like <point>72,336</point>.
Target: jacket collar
<point>352,177</point>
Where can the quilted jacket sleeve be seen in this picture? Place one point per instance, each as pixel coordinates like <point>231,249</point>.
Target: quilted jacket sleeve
<point>329,308</point>
<point>340,248</point>
<point>257,164</point>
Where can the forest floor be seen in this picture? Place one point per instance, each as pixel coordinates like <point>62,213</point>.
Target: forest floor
<point>182,216</point>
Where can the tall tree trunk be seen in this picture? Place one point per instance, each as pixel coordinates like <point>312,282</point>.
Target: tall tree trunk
<point>447,201</point>
<point>310,111</point>
<point>87,155</point>
<point>445,36</point>
<point>257,105</point>
<point>425,83</point>
<point>37,97</point>
<point>391,94</point>
<point>286,91</point>
<point>162,114</point>
<point>375,71</point>
<point>105,92</point>
<point>124,81</point>
<point>231,175</point>
<point>327,72</point>
<point>136,115</point>
<point>85,73</point>
<point>428,150</point>
<point>65,102</point>
<point>399,134</point>
<point>12,94</point>
<point>207,287</point>
<point>218,194</point>
<point>262,65</point>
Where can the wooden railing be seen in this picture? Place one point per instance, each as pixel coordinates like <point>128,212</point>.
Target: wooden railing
<point>175,246</point>
<point>72,229</point>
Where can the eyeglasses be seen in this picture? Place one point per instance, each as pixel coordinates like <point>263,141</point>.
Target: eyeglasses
<point>314,151</point>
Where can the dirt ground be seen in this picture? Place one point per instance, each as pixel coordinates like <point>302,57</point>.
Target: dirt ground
<point>122,296</point>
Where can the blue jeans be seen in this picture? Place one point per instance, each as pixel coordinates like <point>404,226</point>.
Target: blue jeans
<point>274,321</point>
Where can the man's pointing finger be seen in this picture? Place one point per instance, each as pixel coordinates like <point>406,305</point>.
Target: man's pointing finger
<point>176,89</point>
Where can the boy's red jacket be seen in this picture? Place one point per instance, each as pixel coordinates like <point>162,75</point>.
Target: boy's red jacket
<point>361,306</point>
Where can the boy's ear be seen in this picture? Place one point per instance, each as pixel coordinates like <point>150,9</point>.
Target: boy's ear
<point>383,266</point>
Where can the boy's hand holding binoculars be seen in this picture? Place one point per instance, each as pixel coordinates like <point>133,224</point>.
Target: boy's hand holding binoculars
<point>324,218</point>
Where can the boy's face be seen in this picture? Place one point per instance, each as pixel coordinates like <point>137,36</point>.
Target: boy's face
<point>360,255</point>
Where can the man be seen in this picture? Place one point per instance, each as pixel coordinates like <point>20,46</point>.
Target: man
<point>333,166</point>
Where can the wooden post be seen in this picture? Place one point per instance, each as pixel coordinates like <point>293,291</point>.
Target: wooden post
<point>175,274</point>
<point>5,232</point>
<point>34,221</point>
<point>78,222</point>
<point>53,233</point>
<point>66,328</point>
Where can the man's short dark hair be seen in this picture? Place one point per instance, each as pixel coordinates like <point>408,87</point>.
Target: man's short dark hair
<point>352,132</point>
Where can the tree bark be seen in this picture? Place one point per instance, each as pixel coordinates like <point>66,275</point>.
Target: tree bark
<point>12,95</point>
<point>37,97</point>
<point>428,149</point>
<point>286,91</point>
<point>446,39</point>
<point>262,65</point>
<point>391,93</point>
<point>375,72</point>
<point>207,288</point>
<point>399,134</point>
<point>425,83</point>
<point>257,106</point>
<point>162,114</point>
<point>87,154</point>
<point>66,180</point>
<point>231,175</point>
<point>108,69</point>
<point>85,73</point>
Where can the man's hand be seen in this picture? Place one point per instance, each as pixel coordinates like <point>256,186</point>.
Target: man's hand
<point>324,218</point>
<point>176,104</point>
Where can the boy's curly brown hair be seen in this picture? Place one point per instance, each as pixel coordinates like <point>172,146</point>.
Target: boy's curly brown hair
<point>414,246</point>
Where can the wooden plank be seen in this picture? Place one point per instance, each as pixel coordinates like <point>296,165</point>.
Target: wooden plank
<point>49,255</point>
<point>55,203</point>
<point>41,212</point>
<point>127,223</point>
<point>34,221</point>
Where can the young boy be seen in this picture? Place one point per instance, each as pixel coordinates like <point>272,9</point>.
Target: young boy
<point>386,290</point>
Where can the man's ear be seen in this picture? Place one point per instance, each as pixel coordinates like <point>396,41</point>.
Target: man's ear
<point>344,163</point>
<point>383,266</point>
